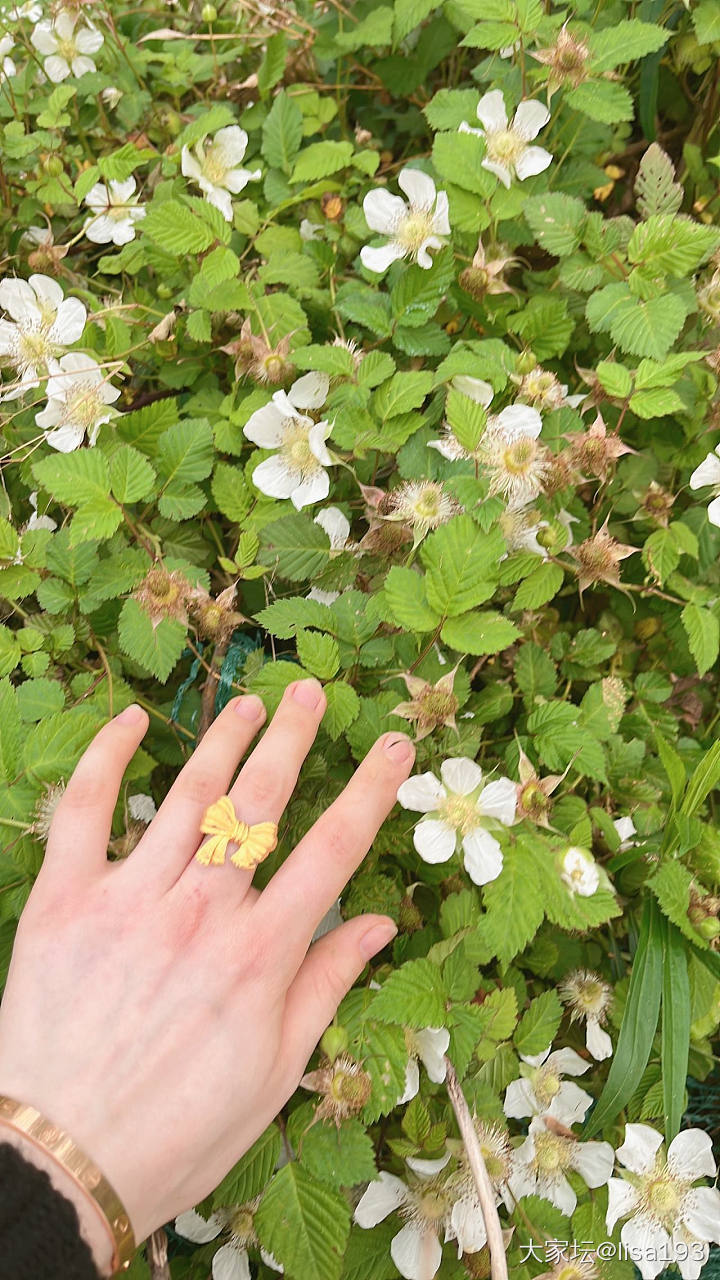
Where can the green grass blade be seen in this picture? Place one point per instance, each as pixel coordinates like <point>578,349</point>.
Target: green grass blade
<point>639,1022</point>
<point>703,781</point>
<point>675,1028</point>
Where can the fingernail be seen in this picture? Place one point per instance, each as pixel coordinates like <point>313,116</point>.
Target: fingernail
<point>400,749</point>
<point>377,937</point>
<point>250,707</point>
<point>131,714</point>
<point>308,693</point>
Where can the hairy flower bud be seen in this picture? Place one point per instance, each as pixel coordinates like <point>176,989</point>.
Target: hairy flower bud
<point>164,595</point>
<point>345,1086</point>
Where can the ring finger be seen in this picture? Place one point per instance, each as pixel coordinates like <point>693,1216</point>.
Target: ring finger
<point>267,779</point>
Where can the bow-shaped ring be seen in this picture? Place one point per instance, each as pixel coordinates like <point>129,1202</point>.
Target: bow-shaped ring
<point>253,843</point>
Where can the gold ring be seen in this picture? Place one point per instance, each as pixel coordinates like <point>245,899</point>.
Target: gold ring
<point>221,823</point>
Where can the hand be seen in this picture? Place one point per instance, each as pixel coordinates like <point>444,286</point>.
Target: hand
<point>163,1012</point>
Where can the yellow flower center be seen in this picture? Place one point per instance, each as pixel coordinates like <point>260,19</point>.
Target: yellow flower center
<point>519,455</point>
<point>664,1196</point>
<point>215,165</point>
<point>34,347</point>
<point>83,405</point>
<point>546,1085</point>
<point>461,813</point>
<point>240,1223</point>
<point>505,147</point>
<point>551,1152</point>
<point>296,449</point>
<point>414,229</point>
<point>66,49</point>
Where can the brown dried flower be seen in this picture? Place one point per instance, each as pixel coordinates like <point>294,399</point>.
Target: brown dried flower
<point>255,358</point>
<point>566,60</point>
<point>598,559</point>
<point>164,595</point>
<point>486,276</point>
<point>594,451</point>
<point>430,705</point>
<point>345,1086</point>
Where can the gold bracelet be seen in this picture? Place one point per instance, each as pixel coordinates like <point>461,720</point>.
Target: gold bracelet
<point>46,1135</point>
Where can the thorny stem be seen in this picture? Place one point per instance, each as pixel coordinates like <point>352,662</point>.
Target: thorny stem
<point>483,1185</point>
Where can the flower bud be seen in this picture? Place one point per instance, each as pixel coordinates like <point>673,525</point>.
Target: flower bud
<point>334,1042</point>
<point>208,13</point>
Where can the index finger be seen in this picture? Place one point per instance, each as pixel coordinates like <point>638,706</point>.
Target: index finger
<point>311,879</point>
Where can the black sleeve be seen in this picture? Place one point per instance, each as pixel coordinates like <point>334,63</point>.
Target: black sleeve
<point>39,1230</point>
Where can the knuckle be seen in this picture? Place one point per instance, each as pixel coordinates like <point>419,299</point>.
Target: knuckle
<point>200,786</point>
<point>83,793</point>
<point>263,787</point>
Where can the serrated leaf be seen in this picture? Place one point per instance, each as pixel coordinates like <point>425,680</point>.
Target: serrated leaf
<point>318,653</point>
<point>53,747</point>
<point>458,159</point>
<point>321,159</point>
<point>479,632</point>
<point>460,561</point>
<point>556,221</point>
<point>343,707</point>
<point>175,228</point>
<point>539,1024</point>
<point>285,618</point>
<point>514,906</point>
<point>671,244</point>
<point>623,42</point>
<point>450,107</point>
<point>131,476</point>
<point>539,587</point>
<point>407,600</point>
<point>272,67</point>
<point>385,1061</point>
<point>412,996</point>
<point>640,327</point>
<point>301,548</point>
<point>303,1224</point>
<point>341,1157</point>
<point>656,190</point>
<point>231,492</point>
<point>604,101</point>
<point>156,648</point>
<point>706,21</point>
<point>703,634</point>
<point>253,1172</point>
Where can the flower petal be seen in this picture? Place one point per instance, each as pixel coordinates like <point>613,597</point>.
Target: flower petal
<point>478,390</point>
<point>69,322</point>
<point>491,111</point>
<point>310,391</point>
<point>461,775</point>
<point>708,472</point>
<point>498,800</point>
<point>594,1162</point>
<point>530,117</point>
<point>566,1062</point>
<point>622,1199</point>
<point>520,1100</point>
<point>714,511</point>
<point>381,1198</point>
<point>441,221</point>
<point>317,436</point>
<point>194,1227</point>
<point>56,68</point>
<point>691,1155</point>
<point>427,1168</point>
<point>19,300</point>
<point>532,161</point>
<point>558,1191</point>
<point>66,439</point>
<point>422,792</point>
<point>336,525</point>
<point>412,1082</point>
<point>640,1147</point>
<point>380,259</point>
<point>271,1261</point>
<point>519,420</point>
<point>468,1225</point>
<point>417,1254</point>
<point>432,1045</point>
<point>570,1104</point>
<point>434,840</point>
<point>501,171</point>
<point>483,856</point>
<point>701,1213</point>
<point>383,210</point>
<point>264,426</point>
<point>648,1244</point>
<point>274,478</point>
<point>314,488</point>
<point>231,1263</point>
<point>418,187</point>
<point>597,1040</point>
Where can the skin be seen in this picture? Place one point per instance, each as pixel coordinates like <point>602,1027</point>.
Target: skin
<point>163,1012</point>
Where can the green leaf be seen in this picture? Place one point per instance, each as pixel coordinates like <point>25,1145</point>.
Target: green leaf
<point>539,587</point>
<point>545,324</point>
<point>407,600</point>
<point>676,1015</point>
<point>410,13</point>
<point>539,1024</point>
<point>374,30</point>
<point>341,1157</point>
<point>131,476</point>
<point>673,765</point>
<point>458,159</point>
<point>703,634</point>
<point>671,883</point>
<point>656,190</point>
<point>641,327</point>
<point>175,228</point>
<point>385,1062</point>
<point>460,561</point>
<point>53,747</point>
<point>604,101</point>
<point>402,392</point>
<point>252,1173</point>
<point>615,378</point>
<point>272,67</point>
<point>231,492</point>
<point>304,1224</point>
<point>466,418</point>
<point>156,648</point>
<point>321,159</point>
<point>557,221</point>
<point>624,42</point>
<point>706,21</point>
<point>671,244</point>
<point>301,548</point>
<point>514,907</point>
<point>343,707</point>
<point>639,1023</point>
<point>412,996</point>
<point>483,632</point>
<point>450,107</point>
<point>285,618</point>
<point>704,780</point>
<point>318,653</point>
<point>82,479</point>
<point>185,454</point>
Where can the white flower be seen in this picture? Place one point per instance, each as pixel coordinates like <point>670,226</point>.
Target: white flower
<point>35,522</point>
<point>429,1205</point>
<point>509,449</point>
<point>589,998</point>
<point>520,525</point>
<point>541,388</point>
<point>79,396</point>
<point>540,1165</point>
<point>708,473</point>
<point>626,829</point>
<point>142,808</point>
<point>475,388</point>
<point>114,212</point>
<point>297,469</point>
<point>422,504</point>
<point>508,150</point>
<point>412,228</point>
<point>29,10</point>
<point>541,1090</point>
<point>668,1217</point>
<point>461,808</point>
<point>337,528</point>
<point>216,169</point>
<point>111,95</point>
<point>429,1045</point>
<point>579,872</point>
<point>231,1260</point>
<point>43,324</point>
<point>7,66</point>
<point>310,230</point>
<point>65,50</point>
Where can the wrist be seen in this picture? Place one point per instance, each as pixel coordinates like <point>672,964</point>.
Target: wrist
<point>93,1227</point>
